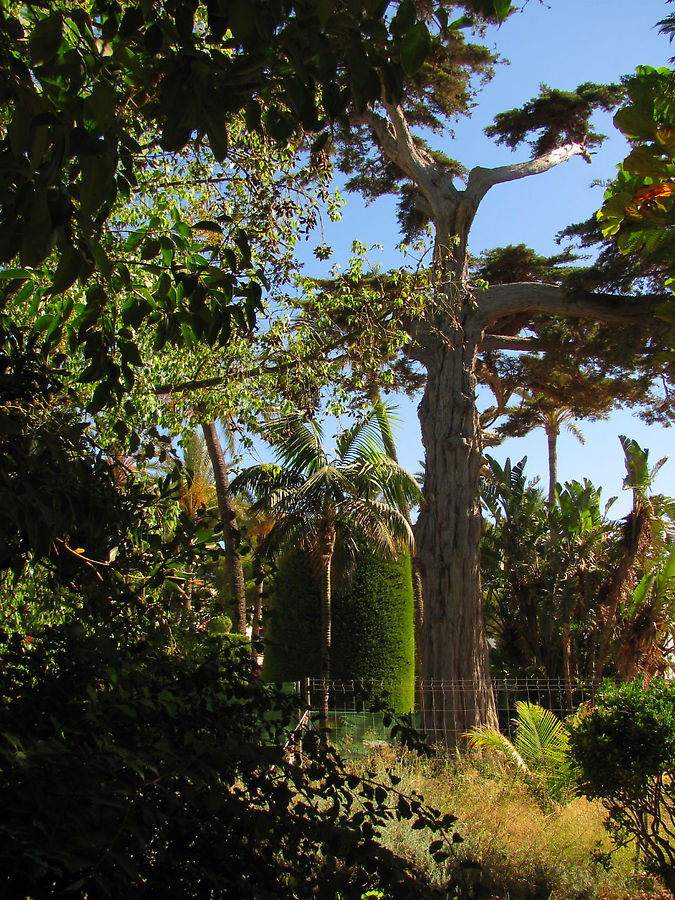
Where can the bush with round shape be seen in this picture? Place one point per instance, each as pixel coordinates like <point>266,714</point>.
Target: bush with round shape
<point>625,752</point>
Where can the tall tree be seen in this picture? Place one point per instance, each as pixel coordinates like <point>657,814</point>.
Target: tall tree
<point>387,155</point>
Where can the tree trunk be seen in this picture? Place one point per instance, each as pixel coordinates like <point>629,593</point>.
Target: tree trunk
<point>256,628</point>
<point>455,650</point>
<point>567,665</point>
<point>326,627</point>
<point>228,517</point>
<point>552,438</point>
<point>636,537</point>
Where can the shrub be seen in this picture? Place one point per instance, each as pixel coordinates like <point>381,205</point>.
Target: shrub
<point>140,771</point>
<point>373,626</point>
<point>625,751</point>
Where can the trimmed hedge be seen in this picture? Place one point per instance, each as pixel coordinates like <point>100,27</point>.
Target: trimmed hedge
<point>373,625</point>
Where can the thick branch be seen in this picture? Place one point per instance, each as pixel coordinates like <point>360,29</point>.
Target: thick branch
<point>399,146</point>
<point>481,180</point>
<point>507,342</point>
<point>503,300</point>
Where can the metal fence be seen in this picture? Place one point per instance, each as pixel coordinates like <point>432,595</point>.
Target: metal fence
<point>356,718</point>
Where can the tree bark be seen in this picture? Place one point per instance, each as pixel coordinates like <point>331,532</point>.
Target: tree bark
<point>228,518</point>
<point>448,530</point>
<point>636,537</point>
<point>256,628</point>
<point>567,665</point>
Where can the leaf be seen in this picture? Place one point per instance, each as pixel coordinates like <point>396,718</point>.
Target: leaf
<point>131,354</point>
<point>207,225</point>
<point>37,236</point>
<point>645,162</point>
<point>45,39</point>
<point>150,248</point>
<point>635,123</point>
<point>216,131</point>
<point>404,18</point>
<point>502,9</point>
<point>68,270</point>
<point>358,65</point>
<point>415,48</point>
<point>12,274</point>
<point>101,103</point>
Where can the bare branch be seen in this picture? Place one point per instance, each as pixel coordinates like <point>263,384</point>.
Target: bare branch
<point>399,145</point>
<point>507,342</point>
<point>503,300</point>
<point>481,179</point>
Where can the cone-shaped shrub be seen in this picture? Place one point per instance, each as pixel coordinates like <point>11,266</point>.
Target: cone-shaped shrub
<point>373,625</point>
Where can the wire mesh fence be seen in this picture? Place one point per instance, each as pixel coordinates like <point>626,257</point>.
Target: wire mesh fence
<point>356,719</point>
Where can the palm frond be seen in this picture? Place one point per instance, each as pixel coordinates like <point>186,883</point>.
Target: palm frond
<point>486,738</point>
<point>539,749</point>
<point>541,738</point>
<point>365,436</point>
<point>298,444</point>
<point>261,479</point>
<point>374,518</point>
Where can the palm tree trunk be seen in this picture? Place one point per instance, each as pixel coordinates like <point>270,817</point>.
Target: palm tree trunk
<point>552,438</point>
<point>567,665</point>
<point>326,627</point>
<point>636,535</point>
<point>257,609</point>
<point>228,518</point>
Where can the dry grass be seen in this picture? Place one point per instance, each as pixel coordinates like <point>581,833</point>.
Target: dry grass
<point>527,850</point>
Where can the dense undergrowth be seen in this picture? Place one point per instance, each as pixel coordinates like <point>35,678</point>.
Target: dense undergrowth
<point>517,846</point>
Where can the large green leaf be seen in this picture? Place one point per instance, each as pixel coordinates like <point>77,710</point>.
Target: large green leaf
<point>415,48</point>
<point>45,39</point>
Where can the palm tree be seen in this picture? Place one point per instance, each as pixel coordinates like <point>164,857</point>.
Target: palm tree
<point>539,749</point>
<point>315,500</point>
<point>197,491</point>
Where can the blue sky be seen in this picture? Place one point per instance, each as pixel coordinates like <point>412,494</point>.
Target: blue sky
<point>562,43</point>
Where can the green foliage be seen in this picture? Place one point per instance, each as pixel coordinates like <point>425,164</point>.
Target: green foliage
<point>132,768</point>
<point>639,204</point>
<point>293,626</point>
<point>373,625</point>
<point>548,569</point>
<point>374,628</point>
<point>556,117</point>
<point>624,748</point>
<point>539,749</point>
<point>518,262</point>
